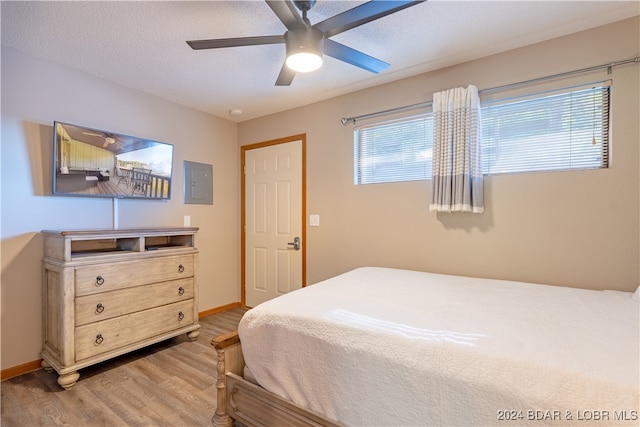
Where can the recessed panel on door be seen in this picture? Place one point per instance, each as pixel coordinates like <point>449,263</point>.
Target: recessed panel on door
<point>260,208</point>
<point>260,269</point>
<point>283,206</point>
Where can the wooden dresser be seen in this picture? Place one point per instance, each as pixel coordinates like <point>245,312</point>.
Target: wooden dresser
<point>108,292</point>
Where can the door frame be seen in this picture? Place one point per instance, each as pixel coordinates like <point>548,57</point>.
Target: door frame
<point>243,149</point>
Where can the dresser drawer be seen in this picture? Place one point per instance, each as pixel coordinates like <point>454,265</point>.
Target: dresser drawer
<point>106,305</point>
<point>99,337</point>
<point>92,279</point>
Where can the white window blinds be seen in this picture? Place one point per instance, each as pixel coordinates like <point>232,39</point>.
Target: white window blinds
<point>561,131</point>
<point>394,151</point>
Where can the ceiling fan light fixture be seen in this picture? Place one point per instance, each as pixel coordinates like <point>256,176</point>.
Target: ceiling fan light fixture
<point>304,49</point>
<point>304,62</point>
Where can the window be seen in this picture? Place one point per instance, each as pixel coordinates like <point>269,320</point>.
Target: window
<point>562,131</point>
<point>394,151</point>
<point>541,132</point>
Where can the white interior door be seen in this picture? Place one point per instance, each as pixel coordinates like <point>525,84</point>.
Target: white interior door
<point>273,221</point>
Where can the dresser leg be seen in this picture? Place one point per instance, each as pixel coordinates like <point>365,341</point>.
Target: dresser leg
<point>225,421</point>
<point>193,335</point>
<point>68,380</point>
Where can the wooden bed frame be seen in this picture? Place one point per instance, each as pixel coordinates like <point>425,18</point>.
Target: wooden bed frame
<point>248,403</point>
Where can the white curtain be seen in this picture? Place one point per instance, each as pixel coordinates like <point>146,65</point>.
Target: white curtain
<point>457,183</point>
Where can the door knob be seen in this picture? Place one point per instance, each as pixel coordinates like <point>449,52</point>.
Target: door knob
<point>295,244</point>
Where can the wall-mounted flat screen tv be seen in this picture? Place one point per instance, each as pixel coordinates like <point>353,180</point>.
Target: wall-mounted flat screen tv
<point>95,163</point>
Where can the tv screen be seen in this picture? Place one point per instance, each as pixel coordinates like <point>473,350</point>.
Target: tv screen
<point>94,163</point>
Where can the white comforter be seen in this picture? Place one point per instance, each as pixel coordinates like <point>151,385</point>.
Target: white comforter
<point>382,347</point>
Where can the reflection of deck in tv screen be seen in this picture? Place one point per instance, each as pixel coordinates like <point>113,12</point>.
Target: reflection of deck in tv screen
<point>156,158</point>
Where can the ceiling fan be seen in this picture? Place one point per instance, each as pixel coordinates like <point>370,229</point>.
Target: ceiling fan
<point>306,43</point>
<point>108,139</point>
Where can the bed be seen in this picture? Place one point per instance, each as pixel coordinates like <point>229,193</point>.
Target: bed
<point>387,347</point>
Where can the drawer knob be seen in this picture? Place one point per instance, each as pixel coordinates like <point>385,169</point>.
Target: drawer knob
<point>99,308</point>
<point>181,268</point>
<point>180,290</point>
<point>180,316</point>
<point>99,339</point>
<point>99,281</point>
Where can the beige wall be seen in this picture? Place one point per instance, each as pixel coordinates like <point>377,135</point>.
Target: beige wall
<point>34,94</point>
<point>578,229</point>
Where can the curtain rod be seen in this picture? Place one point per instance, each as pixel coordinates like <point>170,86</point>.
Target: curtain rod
<point>609,66</point>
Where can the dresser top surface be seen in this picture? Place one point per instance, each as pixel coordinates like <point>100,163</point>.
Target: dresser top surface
<point>150,231</point>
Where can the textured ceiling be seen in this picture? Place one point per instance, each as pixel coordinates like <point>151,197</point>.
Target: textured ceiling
<point>141,44</point>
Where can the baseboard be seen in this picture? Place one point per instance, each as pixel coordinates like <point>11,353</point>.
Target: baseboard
<point>220,309</point>
<point>25,368</point>
<point>15,371</point>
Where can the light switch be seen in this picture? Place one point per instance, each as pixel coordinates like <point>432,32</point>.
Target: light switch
<point>187,220</point>
<point>314,220</point>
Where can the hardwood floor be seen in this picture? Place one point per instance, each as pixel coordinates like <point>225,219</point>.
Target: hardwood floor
<point>171,383</point>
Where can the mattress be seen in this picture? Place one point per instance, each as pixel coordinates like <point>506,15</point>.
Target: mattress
<point>389,347</point>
